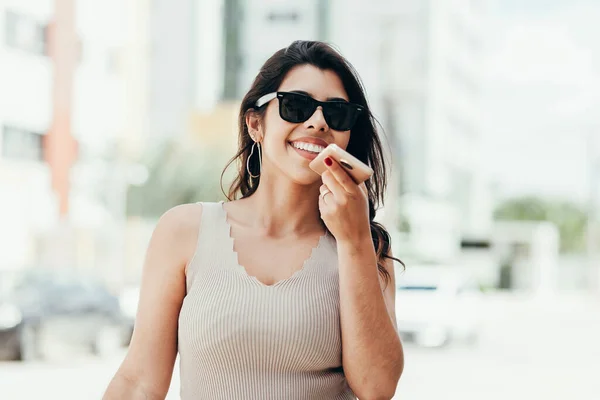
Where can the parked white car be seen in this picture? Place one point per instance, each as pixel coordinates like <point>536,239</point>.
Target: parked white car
<point>437,305</point>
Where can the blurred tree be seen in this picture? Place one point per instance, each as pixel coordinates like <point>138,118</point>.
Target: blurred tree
<point>568,217</point>
<point>178,173</point>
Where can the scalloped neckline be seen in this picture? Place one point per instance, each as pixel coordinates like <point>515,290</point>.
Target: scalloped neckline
<point>280,282</point>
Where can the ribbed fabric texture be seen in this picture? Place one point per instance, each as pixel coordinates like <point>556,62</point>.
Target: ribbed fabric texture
<point>241,339</point>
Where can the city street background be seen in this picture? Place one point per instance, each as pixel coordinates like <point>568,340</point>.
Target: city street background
<point>114,111</point>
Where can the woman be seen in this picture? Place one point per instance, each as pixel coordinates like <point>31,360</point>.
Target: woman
<point>287,292</point>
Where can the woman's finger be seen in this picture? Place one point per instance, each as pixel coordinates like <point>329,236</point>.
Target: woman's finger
<point>334,186</point>
<point>324,192</point>
<point>342,176</point>
<point>322,203</point>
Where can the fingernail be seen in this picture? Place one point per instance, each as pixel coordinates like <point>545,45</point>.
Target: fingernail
<point>328,162</point>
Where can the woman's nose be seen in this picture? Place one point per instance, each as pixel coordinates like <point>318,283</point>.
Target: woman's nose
<point>317,121</point>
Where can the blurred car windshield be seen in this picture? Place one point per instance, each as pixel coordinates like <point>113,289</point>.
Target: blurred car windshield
<point>417,287</point>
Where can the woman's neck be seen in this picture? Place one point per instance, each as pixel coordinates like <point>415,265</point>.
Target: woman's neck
<point>284,208</point>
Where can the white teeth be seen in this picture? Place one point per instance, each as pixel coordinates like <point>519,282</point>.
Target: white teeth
<point>313,148</point>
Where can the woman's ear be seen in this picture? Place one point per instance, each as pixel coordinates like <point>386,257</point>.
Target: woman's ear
<point>254,126</point>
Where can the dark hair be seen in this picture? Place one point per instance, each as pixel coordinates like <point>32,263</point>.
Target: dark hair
<point>364,142</point>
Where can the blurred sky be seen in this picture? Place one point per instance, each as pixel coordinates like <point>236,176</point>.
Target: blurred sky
<point>543,95</point>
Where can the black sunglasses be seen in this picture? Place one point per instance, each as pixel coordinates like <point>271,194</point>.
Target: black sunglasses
<point>340,115</point>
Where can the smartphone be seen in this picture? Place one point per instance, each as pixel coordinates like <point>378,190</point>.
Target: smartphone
<point>358,170</point>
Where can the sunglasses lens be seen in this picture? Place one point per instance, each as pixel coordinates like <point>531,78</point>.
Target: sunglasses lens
<point>340,116</point>
<point>296,108</point>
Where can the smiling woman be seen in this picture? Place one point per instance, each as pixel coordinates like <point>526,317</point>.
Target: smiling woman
<point>287,290</point>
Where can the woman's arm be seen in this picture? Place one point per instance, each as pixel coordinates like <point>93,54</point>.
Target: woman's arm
<point>147,369</point>
<point>372,352</point>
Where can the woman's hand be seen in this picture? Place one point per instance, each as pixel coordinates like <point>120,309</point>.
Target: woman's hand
<point>344,205</point>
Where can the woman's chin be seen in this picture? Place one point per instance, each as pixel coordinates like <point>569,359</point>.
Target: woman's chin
<point>306,177</point>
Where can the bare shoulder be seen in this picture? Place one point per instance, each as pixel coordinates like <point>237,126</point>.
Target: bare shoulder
<point>147,369</point>
<point>182,218</point>
<point>177,229</point>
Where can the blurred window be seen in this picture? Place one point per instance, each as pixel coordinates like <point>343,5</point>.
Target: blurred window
<point>25,33</point>
<point>283,16</point>
<point>22,144</point>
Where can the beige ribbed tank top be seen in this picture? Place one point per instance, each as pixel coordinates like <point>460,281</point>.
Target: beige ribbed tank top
<point>241,339</point>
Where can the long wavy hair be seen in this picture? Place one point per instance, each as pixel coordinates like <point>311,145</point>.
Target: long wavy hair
<point>364,141</point>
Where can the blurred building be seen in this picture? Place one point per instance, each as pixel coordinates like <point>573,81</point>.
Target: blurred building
<point>422,63</point>
<point>204,55</point>
<point>98,104</point>
<point>530,256</point>
<point>185,64</point>
<point>59,107</point>
<point>172,57</point>
<point>256,29</point>
<point>27,198</point>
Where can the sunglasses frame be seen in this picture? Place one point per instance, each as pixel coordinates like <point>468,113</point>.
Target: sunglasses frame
<point>270,96</point>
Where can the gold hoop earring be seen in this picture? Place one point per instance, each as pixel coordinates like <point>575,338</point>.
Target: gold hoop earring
<point>257,144</point>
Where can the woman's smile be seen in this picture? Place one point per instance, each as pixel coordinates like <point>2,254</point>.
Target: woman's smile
<point>308,148</point>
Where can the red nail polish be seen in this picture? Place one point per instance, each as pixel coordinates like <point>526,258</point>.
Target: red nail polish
<point>328,162</point>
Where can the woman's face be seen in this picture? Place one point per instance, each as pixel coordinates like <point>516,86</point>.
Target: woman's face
<point>281,139</point>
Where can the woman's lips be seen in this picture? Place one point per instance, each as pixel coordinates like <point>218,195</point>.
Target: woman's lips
<point>309,155</point>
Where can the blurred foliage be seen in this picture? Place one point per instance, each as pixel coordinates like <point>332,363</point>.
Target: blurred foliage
<point>404,224</point>
<point>179,173</point>
<point>570,218</point>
